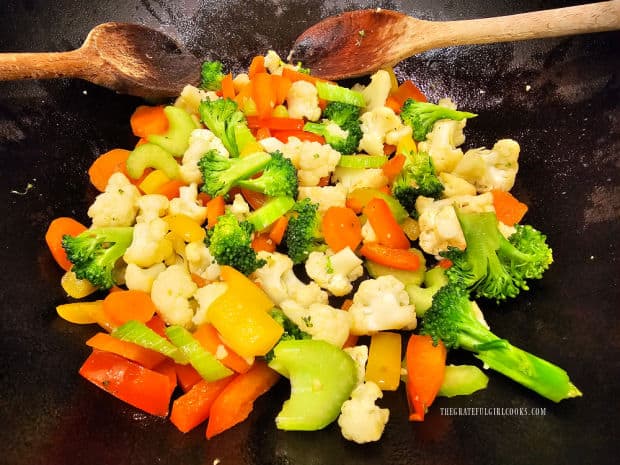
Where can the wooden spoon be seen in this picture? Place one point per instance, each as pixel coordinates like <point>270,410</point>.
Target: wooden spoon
<point>356,43</point>
<point>128,58</point>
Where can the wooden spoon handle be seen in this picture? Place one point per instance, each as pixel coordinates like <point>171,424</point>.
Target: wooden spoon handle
<point>43,65</point>
<point>595,17</point>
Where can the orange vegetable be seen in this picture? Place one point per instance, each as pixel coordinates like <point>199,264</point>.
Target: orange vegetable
<point>276,234</point>
<point>426,365</point>
<point>215,208</point>
<point>170,189</point>
<point>236,401</point>
<point>388,149</point>
<point>105,165</point>
<point>341,228</point>
<point>147,120</point>
<point>138,386</point>
<point>157,325</point>
<point>193,407</point>
<point>208,337</point>
<point>387,229</point>
<point>188,376</point>
<point>507,208</point>
<point>256,66</point>
<point>198,280</point>
<point>262,133</point>
<point>293,76</point>
<point>352,339</point>
<point>282,85</point>
<point>272,122</point>
<point>394,166</point>
<point>228,89</point>
<point>445,263</point>
<point>263,94</point>
<point>283,136</point>
<point>254,199</point>
<point>324,181</point>
<point>262,242</point>
<point>145,357</point>
<point>203,198</point>
<point>408,90</point>
<point>392,103</point>
<point>123,306</point>
<point>401,259</point>
<point>53,237</point>
<point>166,368</point>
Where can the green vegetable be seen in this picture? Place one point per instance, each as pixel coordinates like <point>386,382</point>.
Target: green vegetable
<point>220,174</point>
<point>94,253</point>
<point>291,330</point>
<point>227,122</point>
<point>211,75</point>
<point>279,178</point>
<point>335,93</point>
<point>404,276</point>
<point>462,380</point>
<point>180,127</point>
<point>451,319</point>
<point>422,297</point>
<point>493,266</point>
<point>230,242</point>
<point>270,212</point>
<point>150,155</point>
<point>418,177</point>
<point>322,377</point>
<point>205,363</point>
<point>303,231</point>
<point>422,115</point>
<point>140,334</point>
<point>366,194</point>
<point>362,161</point>
<point>340,127</point>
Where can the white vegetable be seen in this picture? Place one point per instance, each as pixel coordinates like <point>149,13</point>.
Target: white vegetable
<point>312,159</point>
<point>368,233</point>
<point>359,354</point>
<point>321,321</point>
<point>239,208</point>
<point>205,296</point>
<point>303,101</point>
<point>356,178</point>
<point>190,99</point>
<point>454,185</point>
<point>117,205</point>
<point>376,93</point>
<point>187,204</point>
<point>200,261</point>
<point>334,272</point>
<point>376,125</point>
<point>141,279</point>
<point>280,283</point>
<point>149,245</point>
<point>200,142</point>
<point>361,420</point>
<point>171,293</point>
<point>151,207</point>
<point>325,197</point>
<point>381,304</point>
<point>442,142</point>
<point>273,62</point>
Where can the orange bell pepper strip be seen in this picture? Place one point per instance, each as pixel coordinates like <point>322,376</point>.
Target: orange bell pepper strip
<point>507,208</point>
<point>236,401</point>
<point>122,306</point>
<point>187,376</point>
<point>208,337</point>
<point>262,242</point>
<point>194,407</point>
<point>167,369</point>
<point>105,165</point>
<point>341,228</point>
<point>394,166</point>
<point>145,357</point>
<point>58,228</point>
<point>215,208</point>
<point>392,103</point>
<point>145,389</point>
<point>402,259</point>
<point>262,133</point>
<point>263,94</point>
<point>257,65</point>
<point>272,122</point>
<point>408,90</point>
<point>283,136</point>
<point>426,365</point>
<point>170,189</point>
<point>293,76</point>
<point>254,199</point>
<point>147,120</point>
<point>157,325</point>
<point>387,229</point>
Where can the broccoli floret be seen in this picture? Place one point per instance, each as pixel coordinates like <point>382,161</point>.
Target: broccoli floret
<point>279,178</point>
<point>303,231</point>
<point>94,253</point>
<point>340,127</point>
<point>291,330</point>
<point>493,266</point>
<point>422,115</point>
<point>220,173</point>
<point>230,242</point>
<point>211,75</point>
<point>451,319</point>
<point>227,122</point>
<point>418,177</point>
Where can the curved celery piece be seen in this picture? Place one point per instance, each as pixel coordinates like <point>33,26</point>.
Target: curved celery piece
<point>151,156</point>
<point>462,380</point>
<point>422,297</point>
<point>180,127</point>
<point>335,93</point>
<point>140,334</point>
<point>270,212</point>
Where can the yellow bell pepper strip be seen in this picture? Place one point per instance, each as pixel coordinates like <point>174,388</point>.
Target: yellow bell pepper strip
<point>142,335</point>
<point>384,359</point>
<point>153,181</point>
<point>322,377</point>
<point>240,316</point>
<point>80,313</point>
<point>205,363</point>
<point>151,156</point>
<point>185,227</point>
<point>75,287</point>
<point>180,126</point>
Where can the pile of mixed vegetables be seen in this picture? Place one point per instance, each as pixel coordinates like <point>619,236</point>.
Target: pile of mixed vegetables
<point>276,224</point>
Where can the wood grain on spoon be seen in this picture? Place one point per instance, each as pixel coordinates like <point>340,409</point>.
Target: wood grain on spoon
<point>128,58</point>
<point>356,43</point>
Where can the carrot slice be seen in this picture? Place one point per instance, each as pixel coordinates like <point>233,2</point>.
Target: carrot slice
<point>408,90</point>
<point>276,234</point>
<point>58,228</point>
<point>123,306</point>
<point>341,228</point>
<point>145,357</point>
<point>272,122</point>
<point>394,166</point>
<point>387,229</point>
<point>401,259</point>
<point>293,76</point>
<point>262,242</point>
<point>263,94</point>
<point>105,165</point>
<point>194,407</point>
<point>507,208</point>
<point>228,89</point>
<point>209,338</point>
<point>147,120</point>
<point>256,66</point>
<point>254,199</point>
<point>392,103</point>
<point>215,208</point>
<point>282,86</point>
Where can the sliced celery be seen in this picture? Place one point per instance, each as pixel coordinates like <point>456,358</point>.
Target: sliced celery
<point>142,335</point>
<point>334,93</point>
<point>270,212</point>
<point>180,127</point>
<point>151,156</point>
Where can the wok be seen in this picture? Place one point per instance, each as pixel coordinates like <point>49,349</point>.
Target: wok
<point>557,97</point>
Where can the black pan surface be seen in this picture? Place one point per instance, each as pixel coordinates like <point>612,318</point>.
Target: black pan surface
<point>568,127</point>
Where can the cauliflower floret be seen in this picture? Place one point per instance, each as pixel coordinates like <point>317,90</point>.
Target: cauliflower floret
<point>321,321</point>
<point>454,185</point>
<point>141,279</point>
<point>442,142</point>
<point>273,62</point>
<point>303,101</point>
<point>187,204</point>
<point>356,178</point>
<point>335,272</point>
<point>171,293</point>
<point>239,207</point>
<point>381,304</point>
<point>200,261</point>
<point>376,125</point>
<point>280,283</point>
<point>271,144</point>
<point>312,159</point>
<point>361,420</point>
<point>368,233</point>
<point>376,93</point>
<point>117,206</point>
<point>491,169</point>
<point>325,197</point>
<point>439,225</point>
<point>149,244</point>
<point>359,354</point>
<point>190,99</point>
<point>200,142</point>
<point>205,296</point>
<point>151,207</point>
